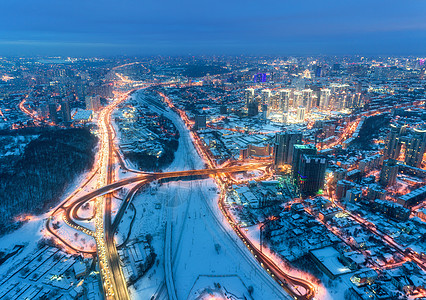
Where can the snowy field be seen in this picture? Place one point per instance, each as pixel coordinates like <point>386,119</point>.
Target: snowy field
<point>191,237</point>
<point>200,241</point>
<point>200,246</point>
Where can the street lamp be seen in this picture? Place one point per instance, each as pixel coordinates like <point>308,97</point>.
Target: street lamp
<point>261,235</point>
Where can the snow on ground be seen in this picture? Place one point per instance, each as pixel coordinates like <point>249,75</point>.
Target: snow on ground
<point>186,152</point>
<point>202,242</point>
<point>206,288</point>
<point>116,201</point>
<point>31,232</point>
<point>124,226</point>
<point>327,291</point>
<point>199,245</point>
<point>149,219</point>
<point>78,239</point>
<point>27,235</point>
<point>123,174</point>
<point>117,113</point>
<point>334,289</point>
<point>253,233</point>
<point>89,224</point>
<point>87,212</point>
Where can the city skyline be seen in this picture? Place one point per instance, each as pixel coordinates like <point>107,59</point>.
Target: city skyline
<point>172,150</point>
<point>261,177</point>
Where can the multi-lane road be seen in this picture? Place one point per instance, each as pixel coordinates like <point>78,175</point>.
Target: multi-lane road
<point>71,215</point>
<point>298,288</point>
<point>114,284</point>
<point>113,281</point>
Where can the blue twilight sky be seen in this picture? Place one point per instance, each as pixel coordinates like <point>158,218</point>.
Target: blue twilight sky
<point>145,27</point>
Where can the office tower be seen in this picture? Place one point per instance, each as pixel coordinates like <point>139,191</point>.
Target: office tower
<point>249,96</point>
<point>53,116</point>
<point>297,99</point>
<point>284,100</point>
<point>416,147</point>
<point>300,114</point>
<point>393,144</point>
<point>311,174</point>
<point>283,148</point>
<point>266,97</point>
<point>307,99</point>
<point>65,110</point>
<point>388,173</point>
<point>298,151</point>
<point>324,99</point>
<point>200,122</point>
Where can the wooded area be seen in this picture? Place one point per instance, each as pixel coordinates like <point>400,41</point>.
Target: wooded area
<point>39,177</point>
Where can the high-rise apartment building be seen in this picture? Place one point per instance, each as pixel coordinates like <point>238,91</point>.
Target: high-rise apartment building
<point>324,99</point>
<point>53,116</point>
<point>415,149</point>
<point>249,96</point>
<point>388,173</point>
<point>393,143</point>
<point>307,99</point>
<point>284,144</point>
<point>300,114</point>
<point>298,151</point>
<point>311,174</point>
<point>284,100</point>
<point>65,111</point>
<point>266,97</point>
<point>93,102</point>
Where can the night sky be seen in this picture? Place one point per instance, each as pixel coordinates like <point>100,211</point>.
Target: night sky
<point>180,27</point>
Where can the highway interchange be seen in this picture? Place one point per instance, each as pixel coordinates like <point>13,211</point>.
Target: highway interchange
<point>113,281</point>
<point>102,179</point>
<point>114,284</point>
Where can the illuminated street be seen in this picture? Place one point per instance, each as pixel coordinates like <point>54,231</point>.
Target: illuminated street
<point>213,177</point>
